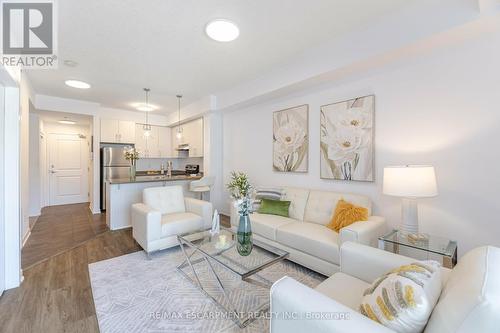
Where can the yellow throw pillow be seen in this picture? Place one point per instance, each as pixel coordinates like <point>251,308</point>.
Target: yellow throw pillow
<point>346,214</point>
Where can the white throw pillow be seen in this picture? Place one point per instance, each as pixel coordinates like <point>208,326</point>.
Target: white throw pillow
<point>403,299</point>
<point>265,193</point>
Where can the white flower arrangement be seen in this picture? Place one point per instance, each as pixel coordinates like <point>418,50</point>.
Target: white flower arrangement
<point>241,191</point>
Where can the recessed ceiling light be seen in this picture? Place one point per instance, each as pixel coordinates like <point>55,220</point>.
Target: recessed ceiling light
<point>77,84</point>
<point>222,30</point>
<point>67,122</point>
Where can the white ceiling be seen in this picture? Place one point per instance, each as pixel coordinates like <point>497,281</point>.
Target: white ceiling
<point>122,46</point>
<point>54,117</point>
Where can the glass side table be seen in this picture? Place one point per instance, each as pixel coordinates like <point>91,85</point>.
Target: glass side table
<point>430,248</point>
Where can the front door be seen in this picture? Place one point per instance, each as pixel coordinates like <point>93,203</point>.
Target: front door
<point>68,169</point>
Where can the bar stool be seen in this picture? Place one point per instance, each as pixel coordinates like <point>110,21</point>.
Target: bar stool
<point>202,185</point>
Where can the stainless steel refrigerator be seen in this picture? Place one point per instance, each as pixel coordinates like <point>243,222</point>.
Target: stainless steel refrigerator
<point>113,166</point>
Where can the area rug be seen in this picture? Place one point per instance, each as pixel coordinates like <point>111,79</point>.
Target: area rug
<point>134,294</point>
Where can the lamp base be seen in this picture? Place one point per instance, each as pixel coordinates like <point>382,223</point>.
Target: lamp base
<point>409,216</point>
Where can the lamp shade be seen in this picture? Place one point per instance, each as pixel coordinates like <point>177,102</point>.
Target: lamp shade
<point>410,181</point>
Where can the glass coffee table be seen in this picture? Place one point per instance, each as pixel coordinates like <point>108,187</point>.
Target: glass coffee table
<point>212,263</point>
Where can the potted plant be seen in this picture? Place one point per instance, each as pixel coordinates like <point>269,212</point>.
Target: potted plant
<point>240,189</point>
<point>132,156</point>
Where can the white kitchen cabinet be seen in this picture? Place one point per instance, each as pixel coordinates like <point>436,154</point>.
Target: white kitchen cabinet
<point>109,130</point>
<point>156,145</point>
<point>127,131</point>
<point>141,144</point>
<point>192,135</point>
<point>117,131</point>
<point>196,138</point>
<point>174,142</point>
<point>152,140</point>
<point>164,142</point>
<point>146,146</point>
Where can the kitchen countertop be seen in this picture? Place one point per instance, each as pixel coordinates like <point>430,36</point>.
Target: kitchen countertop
<point>154,178</point>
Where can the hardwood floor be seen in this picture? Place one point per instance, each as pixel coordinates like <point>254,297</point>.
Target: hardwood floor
<point>33,220</point>
<point>224,221</point>
<point>56,295</point>
<point>60,228</point>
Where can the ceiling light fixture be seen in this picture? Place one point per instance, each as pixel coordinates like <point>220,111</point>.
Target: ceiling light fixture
<point>145,108</point>
<point>147,127</point>
<point>222,30</point>
<point>66,121</point>
<point>179,128</point>
<point>77,84</point>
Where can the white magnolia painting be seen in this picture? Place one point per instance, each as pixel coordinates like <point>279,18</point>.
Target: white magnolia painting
<point>291,139</point>
<point>347,139</point>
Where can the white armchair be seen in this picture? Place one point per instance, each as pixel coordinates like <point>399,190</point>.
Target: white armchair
<point>166,213</point>
<point>469,301</point>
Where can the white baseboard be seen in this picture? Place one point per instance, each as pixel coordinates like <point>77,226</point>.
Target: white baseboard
<point>94,210</point>
<point>37,214</point>
<point>25,238</point>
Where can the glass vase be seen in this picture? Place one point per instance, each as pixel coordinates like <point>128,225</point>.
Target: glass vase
<point>132,171</point>
<point>244,235</point>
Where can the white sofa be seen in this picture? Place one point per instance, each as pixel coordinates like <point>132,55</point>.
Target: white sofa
<point>469,301</point>
<point>166,213</point>
<point>304,234</point>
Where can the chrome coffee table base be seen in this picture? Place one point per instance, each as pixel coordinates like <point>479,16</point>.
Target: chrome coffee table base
<point>241,319</point>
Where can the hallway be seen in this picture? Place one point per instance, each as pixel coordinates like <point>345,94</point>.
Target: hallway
<point>59,229</point>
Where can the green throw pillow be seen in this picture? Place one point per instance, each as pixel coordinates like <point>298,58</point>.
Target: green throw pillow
<point>274,207</point>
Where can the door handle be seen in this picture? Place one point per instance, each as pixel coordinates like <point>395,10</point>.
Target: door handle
<point>52,171</point>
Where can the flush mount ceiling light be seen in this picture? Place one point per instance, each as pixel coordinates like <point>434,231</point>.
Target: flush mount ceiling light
<point>67,121</point>
<point>77,84</point>
<point>222,30</point>
<point>145,107</point>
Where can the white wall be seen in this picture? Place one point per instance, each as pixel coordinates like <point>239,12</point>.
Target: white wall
<point>26,99</point>
<point>213,148</point>
<point>2,191</point>
<point>56,128</point>
<point>43,164</point>
<point>440,109</point>
<point>10,217</point>
<point>35,184</point>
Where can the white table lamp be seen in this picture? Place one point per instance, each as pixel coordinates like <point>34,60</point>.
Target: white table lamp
<point>410,182</point>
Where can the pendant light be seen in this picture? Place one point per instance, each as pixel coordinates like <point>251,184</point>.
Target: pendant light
<point>179,128</point>
<point>147,127</point>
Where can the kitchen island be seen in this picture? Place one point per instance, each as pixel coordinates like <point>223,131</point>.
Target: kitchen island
<point>123,192</point>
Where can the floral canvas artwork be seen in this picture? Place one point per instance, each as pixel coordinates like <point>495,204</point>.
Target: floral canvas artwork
<point>347,139</point>
<point>291,139</point>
